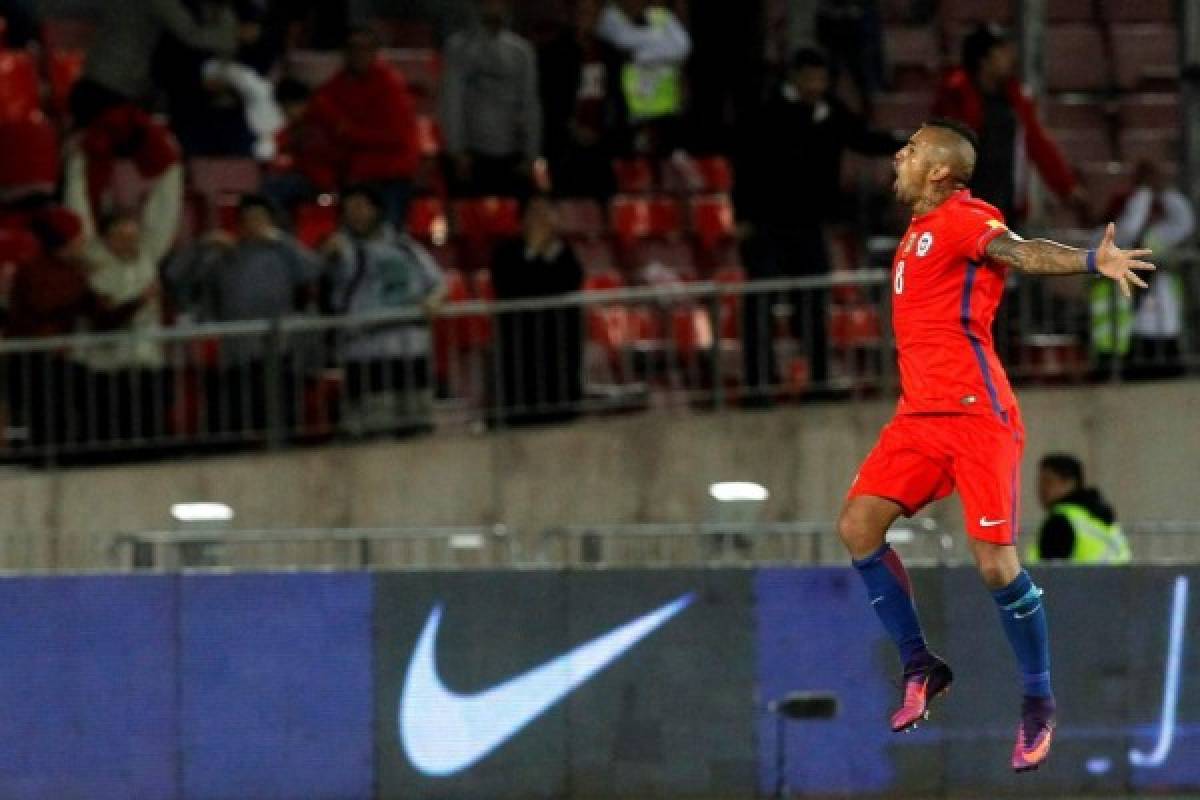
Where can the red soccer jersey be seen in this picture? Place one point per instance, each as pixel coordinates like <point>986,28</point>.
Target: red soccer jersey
<point>945,292</point>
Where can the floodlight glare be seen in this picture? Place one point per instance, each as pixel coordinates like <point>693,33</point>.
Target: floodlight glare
<point>201,512</point>
<point>738,492</point>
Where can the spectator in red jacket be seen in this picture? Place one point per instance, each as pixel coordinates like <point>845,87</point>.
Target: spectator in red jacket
<point>985,94</point>
<point>368,112</point>
<point>308,160</point>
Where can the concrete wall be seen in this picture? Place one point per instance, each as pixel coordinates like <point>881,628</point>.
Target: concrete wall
<point>1140,444</point>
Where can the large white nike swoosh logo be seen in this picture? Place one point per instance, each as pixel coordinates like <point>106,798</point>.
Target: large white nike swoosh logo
<point>444,732</point>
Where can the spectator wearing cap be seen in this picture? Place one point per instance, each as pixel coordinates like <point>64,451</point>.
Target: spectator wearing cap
<point>126,387</point>
<point>256,273</point>
<point>984,93</point>
<point>789,178</point>
<point>368,113</point>
<point>372,267</point>
<point>491,112</point>
<point>52,297</point>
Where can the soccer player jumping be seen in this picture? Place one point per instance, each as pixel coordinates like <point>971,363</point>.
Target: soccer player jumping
<point>957,425</point>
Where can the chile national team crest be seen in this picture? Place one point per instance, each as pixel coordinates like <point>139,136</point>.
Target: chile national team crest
<point>924,243</point>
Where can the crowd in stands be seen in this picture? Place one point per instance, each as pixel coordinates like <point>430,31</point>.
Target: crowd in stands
<point>211,161</point>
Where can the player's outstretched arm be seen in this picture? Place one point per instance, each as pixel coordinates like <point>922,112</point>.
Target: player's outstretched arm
<point>1044,257</point>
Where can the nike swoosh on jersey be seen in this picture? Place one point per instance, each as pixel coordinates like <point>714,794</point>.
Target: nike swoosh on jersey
<point>444,732</point>
<point>984,522</point>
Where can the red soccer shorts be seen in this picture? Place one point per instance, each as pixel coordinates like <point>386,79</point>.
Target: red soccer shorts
<point>920,458</point>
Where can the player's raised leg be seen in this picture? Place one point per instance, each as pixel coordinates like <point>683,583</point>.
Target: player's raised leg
<point>863,526</point>
<point>1023,617</point>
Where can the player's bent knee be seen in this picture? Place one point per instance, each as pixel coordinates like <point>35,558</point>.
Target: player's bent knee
<point>857,532</point>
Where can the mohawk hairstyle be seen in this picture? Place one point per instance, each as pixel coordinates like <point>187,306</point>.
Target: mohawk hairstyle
<point>958,127</point>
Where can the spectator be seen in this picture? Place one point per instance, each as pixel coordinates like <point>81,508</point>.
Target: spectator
<point>259,274</point>
<point>51,297</point>
<point>307,159</point>
<point>789,179</point>
<point>491,113</point>
<point>367,112</point>
<point>217,107</point>
<point>118,66</point>
<point>371,267</point>
<point>22,23</point>
<point>653,45</point>
<point>1080,525</point>
<point>984,93</point>
<point>582,104</point>
<point>1156,215</point>
<point>852,34</point>
<point>126,388</point>
<point>540,352</point>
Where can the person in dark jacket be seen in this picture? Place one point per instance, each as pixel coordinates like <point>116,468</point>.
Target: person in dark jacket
<point>1080,525</point>
<point>581,100</point>
<point>789,175</point>
<point>540,352</point>
<point>985,93</point>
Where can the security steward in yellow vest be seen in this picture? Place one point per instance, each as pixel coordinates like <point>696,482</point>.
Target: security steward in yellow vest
<point>1080,526</point>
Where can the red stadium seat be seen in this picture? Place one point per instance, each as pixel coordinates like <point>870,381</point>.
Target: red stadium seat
<point>36,170</point>
<point>903,111</point>
<point>1085,144</point>
<point>1139,11</point>
<point>1070,11</point>
<point>315,222</point>
<point>633,218</point>
<point>634,175</point>
<point>487,218</point>
<point>427,220</point>
<point>596,255</point>
<point>1146,55</point>
<point>717,173</point>
<point>912,52</point>
<point>17,247</point>
<point>1155,111</point>
<point>1153,145</point>
<point>980,10</point>
<point>580,219</point>
<point>71,33</point>
<point>1075,58</point>
<point>20,91</point>
<point>65,67</point>
<point>673,256</point>
<point>601,281</point>
<point>712,219</point>
<point>1073,112</point>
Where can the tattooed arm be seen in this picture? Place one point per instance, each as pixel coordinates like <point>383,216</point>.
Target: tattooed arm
<point>1044,257</point>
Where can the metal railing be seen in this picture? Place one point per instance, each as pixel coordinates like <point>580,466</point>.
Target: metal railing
<point>475,365</point>
<point>920,542</point>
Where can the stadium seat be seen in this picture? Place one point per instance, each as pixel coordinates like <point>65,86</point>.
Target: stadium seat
<point>1146,55</point>
<point>404,33</point>
<point>17,246</point>
<point>36,170</point>
<point>712,219</point>
<point>903,111</point>
<point>595,255</point>
<point>218,176</point>
<point>1139,11</point>
<point>912,54</point>
<point>717,174</point>
<point>427,220</point>
<point>603,280</point>
<point>634,175</point>
<point>673,256</point>
<point>315,222</point>
<point>1070,11</point>
<point>487,217</point>
<point>1146,110</point>
<point>633,218</point>
<point>1075,58</point>
<point>1073,112</point>
<point>1151,144</point>
<point>580,219</point>
<point>65,67</point>
<point>1085,144</point>
<point>979,10</point>
<point>20,91</point>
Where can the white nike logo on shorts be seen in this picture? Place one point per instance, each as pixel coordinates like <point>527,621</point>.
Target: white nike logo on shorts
<point>984,522</point>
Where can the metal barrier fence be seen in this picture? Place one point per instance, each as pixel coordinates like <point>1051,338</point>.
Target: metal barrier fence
<point>703,345</point>
<point>920,542</point>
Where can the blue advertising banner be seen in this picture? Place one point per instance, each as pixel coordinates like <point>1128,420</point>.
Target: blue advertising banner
<point>275,686</point>
<point>1126,665</point>
<point>87,688</point>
